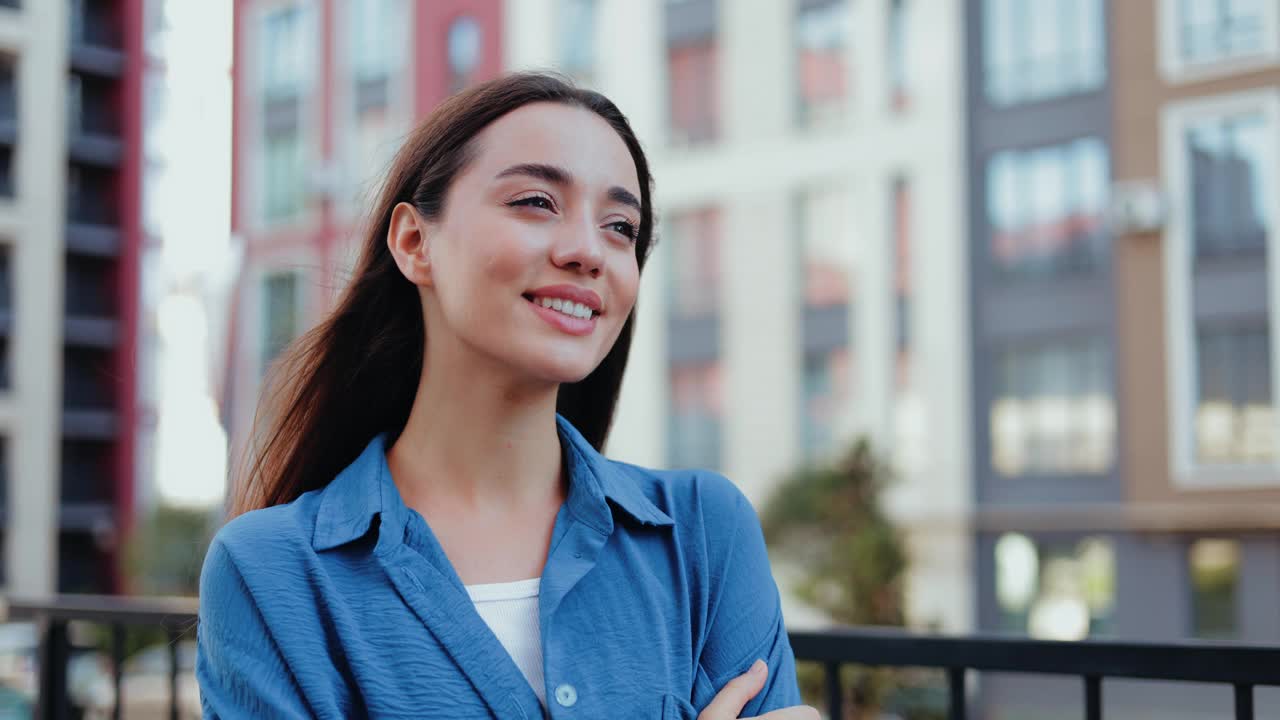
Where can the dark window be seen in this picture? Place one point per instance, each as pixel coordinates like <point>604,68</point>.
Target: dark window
<point>91,195</point>
<point>1211,30</point>
<point>1214,570</point>
<point>1034,51</point>
<point>8,92</point>
<point>1052,410</point>
<point>83,564</point>
<point>89,379</point>
<point>822,72</point>
<point>95,22</point>
<point>88,471</point>
<point>91,286</point>
<point>1235,412</point>
<point>1045,208</point>
<point>91,105</point>
<point>1230,184</point>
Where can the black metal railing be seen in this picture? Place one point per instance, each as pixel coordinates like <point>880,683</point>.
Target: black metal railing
<point>1239,666</point>
<point>175,615</point>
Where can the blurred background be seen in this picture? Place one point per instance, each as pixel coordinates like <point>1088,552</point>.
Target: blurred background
<point>1009,266</point>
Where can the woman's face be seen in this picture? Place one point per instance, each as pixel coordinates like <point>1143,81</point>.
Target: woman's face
<point>533,261</point>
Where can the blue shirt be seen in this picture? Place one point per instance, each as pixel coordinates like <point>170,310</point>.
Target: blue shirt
<point>656,592</point>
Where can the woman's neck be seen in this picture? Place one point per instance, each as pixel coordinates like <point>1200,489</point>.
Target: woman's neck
<point>475,440</point>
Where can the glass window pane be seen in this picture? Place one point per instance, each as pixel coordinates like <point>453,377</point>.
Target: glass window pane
<point>694,431</point>
<point>280,315</point>
<point>1230,184</point>
<point>1053,411</point>
<point>822,76</point>
<point>1036,49</point>
<point>694,277</point>
<point>1214,566</point>
<point>1235,411</point>
<point>578,37</point>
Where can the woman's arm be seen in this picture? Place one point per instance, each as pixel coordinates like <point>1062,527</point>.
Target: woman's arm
<point>746,610</point>
<point>239,668</point>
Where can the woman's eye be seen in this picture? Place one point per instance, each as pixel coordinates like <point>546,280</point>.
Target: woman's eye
<point>537,201</point>
<point>624,227</point>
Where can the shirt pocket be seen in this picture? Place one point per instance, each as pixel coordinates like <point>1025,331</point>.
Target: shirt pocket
<point>675,707</point>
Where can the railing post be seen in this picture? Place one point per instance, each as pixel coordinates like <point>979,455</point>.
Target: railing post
<point>958,709</point>
<point>173,673</point>
<point>53,703</point>
<point>117,667</point>
<point>1244,701</point>
<point>1092,697</point>
<point>835,693</point>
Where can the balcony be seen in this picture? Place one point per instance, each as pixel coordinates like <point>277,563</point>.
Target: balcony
<point>1240,667</point>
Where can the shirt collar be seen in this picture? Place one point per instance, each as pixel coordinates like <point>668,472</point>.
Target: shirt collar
<point>365,489</point>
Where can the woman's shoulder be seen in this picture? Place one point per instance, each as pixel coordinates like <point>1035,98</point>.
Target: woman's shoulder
<point>690,495</point>
<point>265,540</point>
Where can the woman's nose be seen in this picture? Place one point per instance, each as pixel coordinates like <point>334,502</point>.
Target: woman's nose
<point>579,247</point>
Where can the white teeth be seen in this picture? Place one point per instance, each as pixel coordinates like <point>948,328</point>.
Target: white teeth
<point>568,307</point>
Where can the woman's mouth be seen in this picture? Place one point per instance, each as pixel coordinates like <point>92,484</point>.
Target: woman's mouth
<point>564,315</point>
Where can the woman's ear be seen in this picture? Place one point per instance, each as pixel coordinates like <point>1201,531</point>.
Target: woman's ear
<point>409,242</point>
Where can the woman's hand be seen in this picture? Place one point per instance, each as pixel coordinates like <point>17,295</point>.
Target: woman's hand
<point>738,692</point>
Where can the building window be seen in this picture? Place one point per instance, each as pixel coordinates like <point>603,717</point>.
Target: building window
<point>1230,182</point>
<point>694,430</point>
<point>1046,208</point>
<point>693,87</point>
<point>284,56</point>
<point>825,395</point>
<point>578,29</point>
<point>897,54</point>
<point>280,314</point>
<point>284,176</point>
<point>375,60</point>
<point>1036,51</point>
<point>825,245</point>
<point>1204,36</point>
<point>1235,412</point>
<point>1221,264</point>
<point>1055,591</point>
<point>822,75</point>
<point>1053,412</point>
<point>1214,570</point>
<point>694,278</point>
<point>464,45</point>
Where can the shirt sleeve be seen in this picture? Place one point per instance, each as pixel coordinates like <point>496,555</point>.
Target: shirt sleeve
<point>239,668</point>
<point>746,618</point>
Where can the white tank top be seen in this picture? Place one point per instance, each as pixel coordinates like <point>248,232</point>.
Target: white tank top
<point>511,611</point>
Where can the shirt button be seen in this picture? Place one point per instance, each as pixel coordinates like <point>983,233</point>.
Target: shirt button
<point>566,695</point>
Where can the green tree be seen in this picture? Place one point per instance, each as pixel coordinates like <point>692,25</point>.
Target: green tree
<point>826,521</point>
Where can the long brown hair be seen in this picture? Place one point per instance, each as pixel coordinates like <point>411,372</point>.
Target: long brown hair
<point>355,374</point>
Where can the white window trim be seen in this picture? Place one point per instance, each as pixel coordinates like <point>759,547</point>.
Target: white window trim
<point>1175,119</point>
<point>1175,69</point>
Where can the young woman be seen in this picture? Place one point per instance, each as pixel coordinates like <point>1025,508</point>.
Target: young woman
<point>428,528</point>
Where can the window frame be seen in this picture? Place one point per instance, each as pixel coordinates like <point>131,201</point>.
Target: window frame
<point>1176,120</point>
<point>1176,69</point>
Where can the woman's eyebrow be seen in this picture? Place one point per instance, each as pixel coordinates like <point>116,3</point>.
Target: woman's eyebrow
<point>559,176</point>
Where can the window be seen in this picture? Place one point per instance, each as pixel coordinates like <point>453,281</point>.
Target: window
<point>1204,37</point>
<point>1235,410</point>
<point>826,392</point>
<point>1055,591</point>
<point>826,248</point>
<point>578,38</point>
<point>1214,571</point>
<point>280,314</point>
<point>375,60</point>
<point>694,432</point>
<point>822,76</point>
<point>910,450</point>
<point>373,54</point>
<point>693,80</point>
<point>1053,411</point>
<point>1221,266</point>
<point>1045,208</point>
<point>1230,182</point>
<point>694,278</point>
<point>897,49</point>
<point>465,42</point>
<point>284,52</point>
<point>1035,51</point>
<point>284,181</point>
